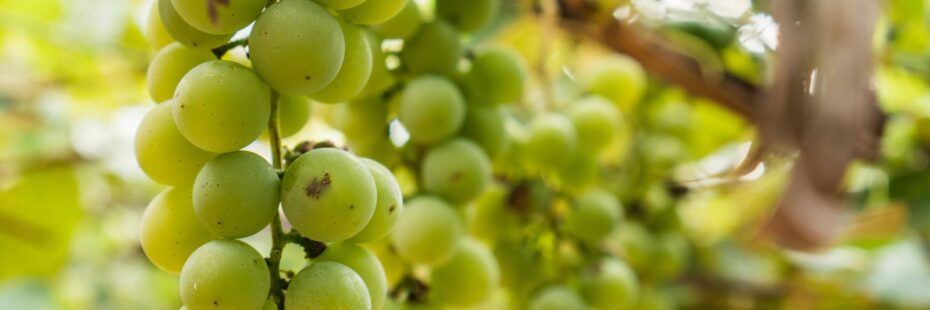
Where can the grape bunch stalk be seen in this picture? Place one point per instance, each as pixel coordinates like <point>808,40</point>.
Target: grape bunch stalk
<point>450,190</point>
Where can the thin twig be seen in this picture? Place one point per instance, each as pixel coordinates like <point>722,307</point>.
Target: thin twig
<point>277,233</point>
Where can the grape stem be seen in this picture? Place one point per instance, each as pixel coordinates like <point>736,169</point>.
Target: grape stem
<point>277,233</point>
<point>222,49</point>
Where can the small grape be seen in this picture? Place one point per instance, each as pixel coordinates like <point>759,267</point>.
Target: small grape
<point>155,32</point>
<point>467,16</point>
<point>389,207</point>
<point>328,195</point>
<point>163,153</point>
<point>221,106</point>
<point>552,140</point>
<point>170,231</point>
<point>293,114</point>
<point>435,48</point>
<point>486,127</point>
<point>403,25</point>
<point>395,268</point>
<point>327,285</point>
<point>597,122</point>
<point>468,278</point>
<point>381,79</point>
<point>497,76</point>
<point>361,120</point>
<point>578,172</point>
<point>428,232</point>
<point>594,215</point>
<point>489,219</point>
<point>236,194</point>
<point>170,65</point>
<point>297,47</point>
<point>219,17</point>
<point>339,4</point>
<point>364,263</point>
<point>355,70</point>
<point>431,108</point>
<point>380,149</point>
<point>183,32</point>
<point>618,78</point>
<point>611,286</point>
<point>225,274</point>
<point>373,12</point>
<point>457,170</point>
<point>557,298</point>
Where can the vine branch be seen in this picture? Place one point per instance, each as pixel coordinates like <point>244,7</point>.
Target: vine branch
<point>277,233</point>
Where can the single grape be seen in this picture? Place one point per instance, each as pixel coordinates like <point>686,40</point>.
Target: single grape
<point>169,231</point>
<point>669,257</point>
<point>403,25</point>
<point>489,218</point>
<point>381,79</point>
<point>293,114</point>
<point>297,47</point>
<point>339,4</point>
<point>170,65</point>
<point>225,274</point>
<point>380,149</point>
<point>183,32</point>
<point>364,263</point>
<point>557,298</point>
<point>485,126</point>
<point>457,170</point>
<point>389,207</point>
<point>155,32</point>
<point>373,12</point>
<point>355,70</point>
<point>328,195</point>
<point>431,108</point>
<point>618,78</point>
<point>578,172</point>
<point>221,106</point>
<point>435,48</point>
<point>217,16</point>
<point>236,194</point>
<point>361,120</point>
<point>611,285</point>
<point>467,16</point>
<point>163,153</point>
<point>552,140</point>
<point>428,232</point>
<point>468,278</point>
<point>395,268</point>
<point>497,76</point>
<point>522,268</point>
<point>594,215</point>
<point>596,121</point>
<point>327,285</point>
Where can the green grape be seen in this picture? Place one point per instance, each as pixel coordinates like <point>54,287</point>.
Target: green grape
<point>365,264</point>
<point>497,76</point>
<point>236,194</point>
<point>431,108</point>
<point>328,195</point>
<point>578,172</point>
<point>361,120</point>
<point>618,78</point>
<point>636,244</point>
<point>485,126</point>
<point>373,12</point>
<point>593,215</point>
<point>395,268</point>
<point>552,140</point>
<point>170,231</point>
<point>355,70</point>
<point>428,232</point>
<point>219,17</point>
<point>380,149</point>
<point>327,285</point>
<point>522,270</point>
<point>456,170</point>
<point>293,114</point>
<point>339,4</point>
<point>403,25</point>
<point>597,122</point>
<point>654,299</point>
<point>297,47</point>
<point>183,32</point>
<point>221,106</point>
<point>468,278</point>
<point>389,207</point>
<point>163,153</point>
<point>225,274</point>
<point>170,65</point>
<point>488,218</point>
<point>381,79</point>
<point>557,298</point>
<point>270,305</point>
<point>155,32</point>
<point>435,48</point>
<point>611,286</point>
<point>467,16</point>
<point>669,256</point>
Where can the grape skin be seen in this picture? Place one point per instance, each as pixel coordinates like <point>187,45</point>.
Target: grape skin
<point>557,298</point>
<point>339,4</point>
<point>225,274</point>
<point>403,25</point>
<point>360,120</point>
<point>170,65</point>
<point>435,48</point>
<point>431,108</point>
<point>163,153</point>
<point>355,70</point>
<point>497,76</point>
<point>236,194</point>
<point>612,286</point>
<point>467,16</point>
<point>594,215</point>
<point>381,79</point>
<point>328,195</point>
<point>389,207</point>
<point>457,170</point>
<point>597,122</point>
<point>183,32</point>
<point>373,12</point>
<point>155,32</point>
<point>327,285</point>
<point>468,278</point>
<point>293,114</point>
<point>229,18</point>
<point>552,140</point>
<point>365,264</point>
<point>485,126</point>
<point>618,78</point>
<point>169,231</point>
<point>428,232</point>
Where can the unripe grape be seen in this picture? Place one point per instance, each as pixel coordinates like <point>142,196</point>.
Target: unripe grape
<point>618,78</point>
<point>468,278</point>
<point>364,263</point>
<point>578,172</point>
<point>435,48</point>
<point>236,194</point>
<point>403,25</point>
<point>225,274</point>
<point>611,286</point>
<point>428,232</point>
<point>355,70</point>
<point>431,108</point>
<point>155,32</point>
<point>552,140</point>
<point>339,4</point>
<point>596,121</point>
<point>170,231</point>
<point>485,126</point>
<point>219,17</point>
<point>497,76</point>
<point>361,120</point>
<point>183,32</point>
<point>163,153</point>
<point>328,195</point>
<point>293,114</point>
<point>467,16</point>
<point>593,215</point>
<point>373,12</point>
<point>297,47</point>
<point>380,149</point>
<point>170,65</point>
<point>457,170</point>
<point>557,298</point>
<point>221,106</point>
<point>327,285</point>
<point>389,206</point>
